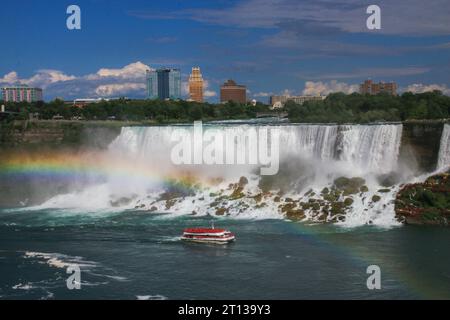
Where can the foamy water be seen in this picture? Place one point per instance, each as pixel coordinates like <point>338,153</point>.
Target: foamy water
<point>311,158</point>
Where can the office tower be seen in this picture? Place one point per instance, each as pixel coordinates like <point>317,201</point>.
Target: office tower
<point>196,85</point>
<point>164,84</point>
<point>230,91</point>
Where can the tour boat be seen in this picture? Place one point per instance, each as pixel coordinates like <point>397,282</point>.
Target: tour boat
<point>208,235</point>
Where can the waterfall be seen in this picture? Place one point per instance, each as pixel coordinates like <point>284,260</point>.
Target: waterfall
<point>444,150</point>
<point>365,148</point>
<point>311,159</point>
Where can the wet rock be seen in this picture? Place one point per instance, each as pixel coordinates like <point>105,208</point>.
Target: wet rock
<point>170,203</point>
<point>258,197</point>
<point>425,203</point>
<point>364,189</point>
<point>295,215</point>
<point>287,207</point>
<point>221,211</point>
<point>384,190</point>
<point>348,202</point>
<point>153,209</point>
<point>349,186</point>
<point>237,193</point>
<point>124,201</point>
<point>243,181</point>
<point>376,198</point>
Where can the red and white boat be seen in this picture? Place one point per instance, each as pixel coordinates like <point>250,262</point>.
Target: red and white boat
<point>208,235</point>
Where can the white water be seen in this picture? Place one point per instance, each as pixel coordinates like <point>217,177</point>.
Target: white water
<point>310,155</point>
<point>444,151</point>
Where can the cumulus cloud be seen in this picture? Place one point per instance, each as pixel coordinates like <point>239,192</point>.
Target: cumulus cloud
<point>325,88</point>
<point>106,82</point>
<point>10,78</point>
<point>134,70</point>
<point>262,94</point>
<point>209,94</point>
<point>117,89</point>
<point>421,88</point>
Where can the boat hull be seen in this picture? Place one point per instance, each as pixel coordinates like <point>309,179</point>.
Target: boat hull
<point>209,240</point>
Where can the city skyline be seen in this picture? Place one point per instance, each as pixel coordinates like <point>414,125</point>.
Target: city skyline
<point>300,48</point>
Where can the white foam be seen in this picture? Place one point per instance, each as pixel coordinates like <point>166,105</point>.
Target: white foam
<point>152,297</point>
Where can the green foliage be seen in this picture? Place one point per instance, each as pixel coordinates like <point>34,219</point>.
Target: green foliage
<point>342,108</point>
<point>139,110</point>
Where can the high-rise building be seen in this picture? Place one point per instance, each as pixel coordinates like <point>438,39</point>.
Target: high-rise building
<point>21,93</point>
<point>164,84</point>
<point>230,91</point>
<point>369,87</point>
<point>196,85</point>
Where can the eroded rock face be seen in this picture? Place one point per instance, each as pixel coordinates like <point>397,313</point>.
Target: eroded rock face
<point>425,203</point>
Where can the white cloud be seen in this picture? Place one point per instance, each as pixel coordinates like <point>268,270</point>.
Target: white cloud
<point>118,89</point>
<point>262,94</point>
<point>421,88</point>
<point>325,88</point>
<point>105,82</point>
<point>43,78</point>
<point>134,70</point>
<point>10,78</point>
<point>209,93</point>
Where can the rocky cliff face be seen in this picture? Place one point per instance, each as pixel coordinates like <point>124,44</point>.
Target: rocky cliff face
<point>425,203</point>
<point>420,145</point>
<point>58,133</point>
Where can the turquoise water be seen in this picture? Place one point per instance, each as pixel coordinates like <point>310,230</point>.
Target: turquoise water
<point>131,254</point>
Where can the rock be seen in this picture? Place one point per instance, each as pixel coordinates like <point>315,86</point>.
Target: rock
<point>258,197</point>
<point>364,189</point>
<point>349,186</point>
<point>243,181</point>
<point>170,203</point>
<point>295,215</point>
<point>425,203</point>
<point>237,193</point>
<point>120,202</point>
<point>376,198</point>
<point>152,209</point>
<point>325,191</point>
<point>221,211</point>
<point>277,199</point>
<point>287,207</point>
<point>384,190</point>
<point>348,202</point>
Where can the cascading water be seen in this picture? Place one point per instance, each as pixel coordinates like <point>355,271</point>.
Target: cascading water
<point>312,157</point>
<point>444,151</point>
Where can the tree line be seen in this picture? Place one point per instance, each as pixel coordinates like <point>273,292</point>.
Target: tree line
<point>336,108</point>
<point>357,108</point>
<point>137,110</point>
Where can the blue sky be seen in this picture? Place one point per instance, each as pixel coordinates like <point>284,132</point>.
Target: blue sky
<point>272,46</point>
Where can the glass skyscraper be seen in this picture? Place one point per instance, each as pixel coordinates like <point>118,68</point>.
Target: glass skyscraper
<point>164,84</point>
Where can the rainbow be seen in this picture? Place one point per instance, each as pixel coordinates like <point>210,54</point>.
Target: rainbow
<point>93,165</point>
<point>67,165</point>
<point>400,270</point>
